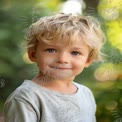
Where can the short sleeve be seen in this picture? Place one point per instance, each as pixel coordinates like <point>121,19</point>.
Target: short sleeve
<point>19,111</point>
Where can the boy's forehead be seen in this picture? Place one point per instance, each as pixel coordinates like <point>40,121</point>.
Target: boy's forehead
<point>78,43</point>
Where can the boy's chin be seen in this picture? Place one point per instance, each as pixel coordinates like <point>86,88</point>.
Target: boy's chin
<point>58,75</point>
<point>61,76</point>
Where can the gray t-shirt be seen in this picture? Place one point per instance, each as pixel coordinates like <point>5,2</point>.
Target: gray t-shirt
<point>33,103</point>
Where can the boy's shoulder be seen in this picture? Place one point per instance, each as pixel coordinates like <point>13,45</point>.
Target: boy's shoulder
<point>25,91</point>
<point>84,89</point>
<point>86,93</point>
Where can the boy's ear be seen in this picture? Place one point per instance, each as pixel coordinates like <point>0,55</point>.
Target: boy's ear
<point>32,54</point>
<point>88,62</point>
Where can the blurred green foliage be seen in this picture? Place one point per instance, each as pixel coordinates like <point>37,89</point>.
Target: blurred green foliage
<point>16,16</point>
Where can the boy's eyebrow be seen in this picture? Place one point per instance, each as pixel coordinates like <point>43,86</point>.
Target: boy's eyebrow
<point>74,48</point>
<point>77,48</point>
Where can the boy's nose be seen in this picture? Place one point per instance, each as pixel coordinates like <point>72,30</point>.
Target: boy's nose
<point>63,58</point>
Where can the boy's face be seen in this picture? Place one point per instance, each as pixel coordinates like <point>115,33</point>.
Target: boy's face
<point>61,61</point>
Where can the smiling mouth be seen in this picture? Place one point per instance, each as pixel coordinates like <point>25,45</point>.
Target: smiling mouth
<point>61,68</point>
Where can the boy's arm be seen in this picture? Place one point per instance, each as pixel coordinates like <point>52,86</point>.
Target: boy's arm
<point>19,111</point>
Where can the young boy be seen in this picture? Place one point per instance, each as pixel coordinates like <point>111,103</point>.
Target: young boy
<point>62,45</point>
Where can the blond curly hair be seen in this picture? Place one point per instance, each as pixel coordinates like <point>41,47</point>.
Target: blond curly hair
<point>68,28</point>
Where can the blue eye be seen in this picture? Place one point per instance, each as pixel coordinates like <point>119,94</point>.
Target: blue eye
<point>75,53</point>
<point>51,50</point>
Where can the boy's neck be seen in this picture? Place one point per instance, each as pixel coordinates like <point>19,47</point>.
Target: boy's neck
<point>63,86</point>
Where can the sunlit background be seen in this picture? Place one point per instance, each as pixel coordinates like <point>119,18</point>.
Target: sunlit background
<point>103,78</point>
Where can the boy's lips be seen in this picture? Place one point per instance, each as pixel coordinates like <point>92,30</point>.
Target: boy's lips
<point>61,68</point>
